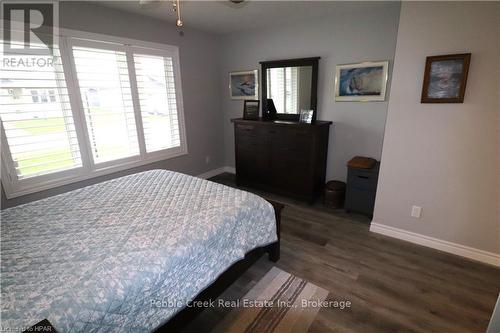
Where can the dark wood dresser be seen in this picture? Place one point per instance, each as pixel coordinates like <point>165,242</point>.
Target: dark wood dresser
<point>284,157</point>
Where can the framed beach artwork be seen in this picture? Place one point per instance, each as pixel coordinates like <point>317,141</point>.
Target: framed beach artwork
<point>363,82</point>
<point>445,78</point>
<point>244,85</point>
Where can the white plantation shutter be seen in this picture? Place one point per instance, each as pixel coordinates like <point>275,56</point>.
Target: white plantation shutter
<point>158,102</point>
<point>291,97</point>
<point>102,106</point>
<point>36,116</point>
<point>283,88</point>
<point>276,88</point>
<point>105,91</point>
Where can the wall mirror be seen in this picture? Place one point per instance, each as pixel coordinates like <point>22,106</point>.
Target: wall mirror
<point>289,86</point>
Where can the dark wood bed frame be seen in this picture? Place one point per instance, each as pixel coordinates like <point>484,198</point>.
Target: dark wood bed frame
<point>186,315</point>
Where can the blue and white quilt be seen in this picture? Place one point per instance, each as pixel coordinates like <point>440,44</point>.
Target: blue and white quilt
<point>124,255</point>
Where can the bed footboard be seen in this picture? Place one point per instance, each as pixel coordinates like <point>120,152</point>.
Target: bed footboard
<point>274,249</point>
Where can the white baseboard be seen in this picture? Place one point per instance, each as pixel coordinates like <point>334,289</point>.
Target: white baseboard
<point>230,169</point>
<point>438,244</point>
<point>216,172</point>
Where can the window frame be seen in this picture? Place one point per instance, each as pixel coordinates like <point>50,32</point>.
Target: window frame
<point>68,38</point>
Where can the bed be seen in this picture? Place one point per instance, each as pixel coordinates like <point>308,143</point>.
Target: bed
<point>127,255</point>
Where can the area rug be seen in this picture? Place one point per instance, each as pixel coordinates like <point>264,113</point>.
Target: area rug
<point>279,303</point>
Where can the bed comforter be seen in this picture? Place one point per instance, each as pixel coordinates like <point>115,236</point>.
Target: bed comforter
<point>124,255</point>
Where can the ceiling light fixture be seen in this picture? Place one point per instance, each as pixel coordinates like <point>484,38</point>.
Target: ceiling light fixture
<point>177,8</point>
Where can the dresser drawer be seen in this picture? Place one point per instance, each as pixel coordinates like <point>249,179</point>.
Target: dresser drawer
<point>250,141</point>
<point>243,130</point>
<point>296,134</point>
<point>291,174</point>
<point>292,140</point>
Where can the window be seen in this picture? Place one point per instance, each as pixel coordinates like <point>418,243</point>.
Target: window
<point>52,96</point>
<point>41,138</point>
<point>107,102</point>
<point>102,106</point>
<point>43,97</point>
<point>155,83</point>
<point>40,96</point>
<point>34,96</point>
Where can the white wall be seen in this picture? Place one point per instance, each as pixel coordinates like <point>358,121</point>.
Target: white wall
<point>444,157</point>
<point>352,34</point>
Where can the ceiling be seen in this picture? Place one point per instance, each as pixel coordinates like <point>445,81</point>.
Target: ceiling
<point>223,17</point>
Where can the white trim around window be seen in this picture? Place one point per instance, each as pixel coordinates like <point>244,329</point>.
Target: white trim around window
<point>15,186</point>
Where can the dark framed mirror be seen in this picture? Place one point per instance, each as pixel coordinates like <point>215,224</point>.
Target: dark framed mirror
<point>289,86</point>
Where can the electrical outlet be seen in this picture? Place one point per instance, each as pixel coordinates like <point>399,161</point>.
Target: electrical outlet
<point>416,211</point>
<point>207,159</point>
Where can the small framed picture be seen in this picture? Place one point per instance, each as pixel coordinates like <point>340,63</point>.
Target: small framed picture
<point>445,78</point>
<point>244,85</point>
<point>363,82</point>
<point>306,116</point>
<point>251,110</point>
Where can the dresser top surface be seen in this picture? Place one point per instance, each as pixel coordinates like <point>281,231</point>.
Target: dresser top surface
<point>281,122</point>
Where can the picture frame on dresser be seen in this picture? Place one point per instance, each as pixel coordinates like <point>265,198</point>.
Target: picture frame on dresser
<point>306,116</point>
<point>251,109</point>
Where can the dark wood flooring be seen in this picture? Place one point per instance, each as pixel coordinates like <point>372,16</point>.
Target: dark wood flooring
<point>394,286</point>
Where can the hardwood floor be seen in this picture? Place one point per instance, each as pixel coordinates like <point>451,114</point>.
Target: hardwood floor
<point>394,286</point>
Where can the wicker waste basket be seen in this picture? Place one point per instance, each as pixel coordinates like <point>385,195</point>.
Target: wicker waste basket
<point>335,194</point>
